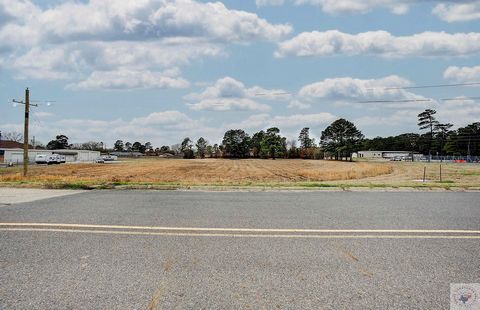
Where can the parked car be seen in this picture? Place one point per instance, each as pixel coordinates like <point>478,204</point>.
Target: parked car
<point>109,157</point>
<point>41,159</point>
<point>396,158</point>
<point>63,159</point>
<point>99,160</point>
<point>52,159</point>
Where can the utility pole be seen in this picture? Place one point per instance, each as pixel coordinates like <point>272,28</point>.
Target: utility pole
<point>25,129</point>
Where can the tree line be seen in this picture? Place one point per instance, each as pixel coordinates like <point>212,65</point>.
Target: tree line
<point>338,141</point>
<point>437,139</point>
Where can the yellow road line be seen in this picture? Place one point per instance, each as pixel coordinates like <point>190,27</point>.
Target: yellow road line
<point>298,236</point>
<point>267,230</point>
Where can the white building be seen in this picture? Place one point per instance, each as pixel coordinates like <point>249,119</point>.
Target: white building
<point>15,155</point>
<point>383,154</point>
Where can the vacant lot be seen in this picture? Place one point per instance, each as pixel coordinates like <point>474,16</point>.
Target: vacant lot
<point>218,172</point>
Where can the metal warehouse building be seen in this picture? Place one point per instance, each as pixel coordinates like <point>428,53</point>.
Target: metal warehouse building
<point>15,155</point>
<point>383,154</point>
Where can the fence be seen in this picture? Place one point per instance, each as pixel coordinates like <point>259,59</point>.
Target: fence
<point>454,159</point>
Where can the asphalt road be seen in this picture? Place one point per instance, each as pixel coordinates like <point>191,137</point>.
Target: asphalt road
<point>230,250</point>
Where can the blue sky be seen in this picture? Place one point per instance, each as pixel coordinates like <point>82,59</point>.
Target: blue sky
<point>161,70</point>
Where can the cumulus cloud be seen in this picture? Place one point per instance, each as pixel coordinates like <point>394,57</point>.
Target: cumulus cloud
<point>75,40</point>
<point>160,128</point>
<point>117,20</point>
<point>353,6</point>
<point>73,60</point>
<point>458,12</point>
<point>380,43</point>
<point>130,79</point>
<point>262,121</point>
<point>49,64</point>
<point>402,117</point>
<point>462,74</point>
<point>230,94</point>
<point>348,90</point>
<point>460,112</point>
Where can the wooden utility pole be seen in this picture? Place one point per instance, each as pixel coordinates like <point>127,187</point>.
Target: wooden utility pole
<point>25,132</point>
<point>25,129</point>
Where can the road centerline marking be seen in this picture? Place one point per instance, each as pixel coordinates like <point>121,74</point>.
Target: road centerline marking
<point>233,235</point>
<point>242,232</point>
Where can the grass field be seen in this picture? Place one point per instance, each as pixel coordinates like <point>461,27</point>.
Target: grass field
<point>249,172</point>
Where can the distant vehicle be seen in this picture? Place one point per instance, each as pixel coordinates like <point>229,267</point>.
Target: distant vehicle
<point>52,159</point>
<point>63,159</point>
<point>396,158</point>
<point>41,159</point>
<point>99,160</point>
<point>109,157</point>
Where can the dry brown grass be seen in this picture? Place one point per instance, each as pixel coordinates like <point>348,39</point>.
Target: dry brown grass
<point>247,172</point>
<point>411,174</point>
<point>201,172</point>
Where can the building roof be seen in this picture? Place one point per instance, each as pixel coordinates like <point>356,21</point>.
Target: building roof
<point>127,154</point>
<point>60,151</point>
<point>7,144</point>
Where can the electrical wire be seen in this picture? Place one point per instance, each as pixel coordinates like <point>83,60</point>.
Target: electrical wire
<point>427,86</point>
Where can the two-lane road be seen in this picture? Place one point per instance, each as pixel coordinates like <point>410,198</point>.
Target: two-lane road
<point>174,249</point>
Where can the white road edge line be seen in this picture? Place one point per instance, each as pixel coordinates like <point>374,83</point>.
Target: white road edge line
<point>294,230</point>
<point>241,235</point>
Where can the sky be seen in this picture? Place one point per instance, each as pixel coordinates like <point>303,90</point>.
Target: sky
<point>162,70</point>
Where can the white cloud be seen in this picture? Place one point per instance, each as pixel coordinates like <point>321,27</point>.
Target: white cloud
<point>75,40</point>
<point>73,60</point>
<point>262,121</point>
<point>462,74</point>
<point>354,6</point>
<point>230,94</point>
<point>130,79</point>
<point>160,128</point>
<point>118,20</point>
<point>351,91</point>
<point>172,120</point>
<point>380,43</point>
<point>459,112</point>
<point>402,117</point>
<point>297,104</point>
<point>229,104</point>
<point>302,120</point>
<point>458,12</point>
<point>260,3</point>
<point>50,64</point>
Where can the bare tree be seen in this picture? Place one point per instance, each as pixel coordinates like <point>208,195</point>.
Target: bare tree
<point>12,136</point>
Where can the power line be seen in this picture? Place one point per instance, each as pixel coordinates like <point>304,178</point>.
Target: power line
<point>460,98</point>
<point>427,86</point>
<point>419,100</point>
<point>395,101</point>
